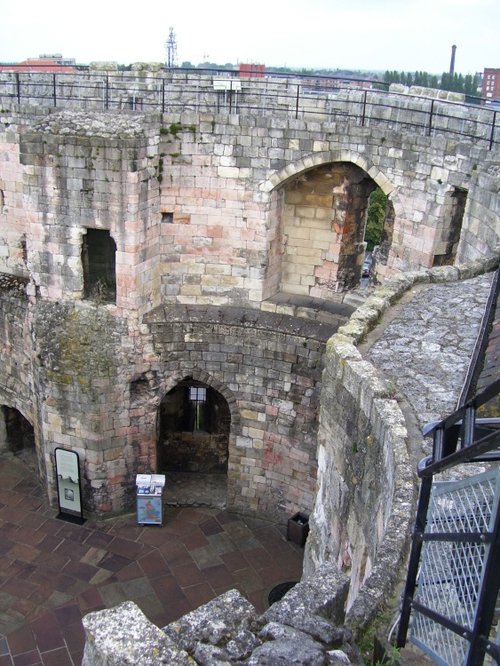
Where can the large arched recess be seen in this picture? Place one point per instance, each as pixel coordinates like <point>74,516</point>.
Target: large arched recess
<point>17,435</point>
<point>317,224</point>
<point>196,431</point>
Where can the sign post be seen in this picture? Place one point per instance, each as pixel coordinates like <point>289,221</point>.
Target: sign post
<point>69,490</point>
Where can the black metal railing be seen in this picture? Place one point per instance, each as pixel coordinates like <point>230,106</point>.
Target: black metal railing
<point>452,586</point>
<point>324,98</point>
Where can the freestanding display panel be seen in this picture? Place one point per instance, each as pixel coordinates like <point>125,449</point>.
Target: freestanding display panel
<point>69,489</point>
<point>150,498</point>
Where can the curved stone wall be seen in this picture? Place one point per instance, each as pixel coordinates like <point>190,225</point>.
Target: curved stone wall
<point>366,478</point>
<point>199,204</point>
<point>268,367</point>
<point>202,209</point>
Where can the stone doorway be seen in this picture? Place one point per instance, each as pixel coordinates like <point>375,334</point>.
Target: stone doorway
<point>193,445</point>
<point>17,436</point>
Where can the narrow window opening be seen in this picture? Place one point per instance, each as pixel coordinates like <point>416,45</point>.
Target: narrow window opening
<point>24,249</point>
<point>167,218</point>
<point>198,398</point>
<point>376,215</point>
<point>375,218</point>
<point>135,103</point>
<point>445,251</point>
<point>98,261</point>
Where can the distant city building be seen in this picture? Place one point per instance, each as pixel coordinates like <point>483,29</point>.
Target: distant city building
<point>45,62</point>
<point>491,83</point>
<point>252,70</point>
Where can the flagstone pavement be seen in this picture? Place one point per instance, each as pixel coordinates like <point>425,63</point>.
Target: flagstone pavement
<point>53,572</point>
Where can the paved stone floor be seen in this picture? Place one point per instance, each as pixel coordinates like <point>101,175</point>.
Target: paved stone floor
<point>53,572</point>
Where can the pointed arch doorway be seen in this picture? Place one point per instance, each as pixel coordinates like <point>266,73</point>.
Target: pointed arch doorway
<point>17,436</point>
<point>194,422</point>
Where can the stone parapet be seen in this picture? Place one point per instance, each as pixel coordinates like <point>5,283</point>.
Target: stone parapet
<point>304,627</point>
<point>364,457</point>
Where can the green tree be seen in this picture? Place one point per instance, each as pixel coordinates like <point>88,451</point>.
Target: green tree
<point>375,217</point>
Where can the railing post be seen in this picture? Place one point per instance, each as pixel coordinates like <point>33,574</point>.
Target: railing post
<point>363,114</point>
<point>230,96</point>
<point>54,89</point>
<point>297,98</point>
<point>486,604</point>
<point>416,548</point>
<point>163,96</point>
<point>468,426</point>
<point>106,97</point>
<point>18,88</point>
<point>492,137</point>
<point>429,128</point>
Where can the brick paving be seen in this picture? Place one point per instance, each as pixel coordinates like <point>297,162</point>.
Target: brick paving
<point>52,572</point>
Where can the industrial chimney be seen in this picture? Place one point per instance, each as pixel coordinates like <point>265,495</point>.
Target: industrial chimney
<point>452,62</point>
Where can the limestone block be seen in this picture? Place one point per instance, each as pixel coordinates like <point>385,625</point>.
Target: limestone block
<point>290,651</point>
<point>321,595</point>
<point>215,623</point>
<point>123,636</point>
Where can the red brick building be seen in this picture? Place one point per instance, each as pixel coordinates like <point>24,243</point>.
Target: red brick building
<point>491,83</point>
<point>44,63</point>
<point>251,69</point>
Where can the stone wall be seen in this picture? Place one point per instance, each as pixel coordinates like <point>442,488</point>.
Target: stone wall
<point>268,368</point>
<point>148,88</point>
<point>17,382</point>
<point>216,210</point>
<point>202,210</point>
<point>365,493</point>
<point>82,375</point>
<point>359,529</point>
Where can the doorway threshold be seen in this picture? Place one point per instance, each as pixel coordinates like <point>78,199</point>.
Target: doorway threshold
<point>195,489</point>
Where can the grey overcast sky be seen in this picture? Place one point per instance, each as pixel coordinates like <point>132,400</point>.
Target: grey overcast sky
<point>405,35</point>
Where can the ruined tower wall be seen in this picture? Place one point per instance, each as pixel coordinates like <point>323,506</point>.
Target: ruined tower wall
<point>231,192</point>
<point>199,208</point>
<point>16,349</point>
<point>268,367</point>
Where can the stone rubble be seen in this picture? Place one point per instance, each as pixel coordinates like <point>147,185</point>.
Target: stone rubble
<point>304,627</point>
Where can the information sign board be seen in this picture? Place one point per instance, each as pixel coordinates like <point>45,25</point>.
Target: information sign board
<point>69,493</point>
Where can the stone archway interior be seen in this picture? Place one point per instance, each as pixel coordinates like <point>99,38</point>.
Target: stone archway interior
<point>322,215</point>
<point>194,430</point>
<point>16,432</point>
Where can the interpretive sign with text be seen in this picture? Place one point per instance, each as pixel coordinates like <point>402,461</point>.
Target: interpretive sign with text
<point>68,485</point>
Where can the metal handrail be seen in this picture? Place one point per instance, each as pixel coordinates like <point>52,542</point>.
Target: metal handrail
<point>336,99</point>
<point>459,438</point>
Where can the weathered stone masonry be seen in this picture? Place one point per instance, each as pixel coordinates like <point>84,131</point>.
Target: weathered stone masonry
<point>155,248</point>
<point>201,211</point>
<point>268,366</point>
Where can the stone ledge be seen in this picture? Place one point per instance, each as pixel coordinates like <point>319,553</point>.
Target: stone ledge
<point>364,319</point>
<point>240,317</point>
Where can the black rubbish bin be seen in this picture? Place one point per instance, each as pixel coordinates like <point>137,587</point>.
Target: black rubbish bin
<point>298,528</point>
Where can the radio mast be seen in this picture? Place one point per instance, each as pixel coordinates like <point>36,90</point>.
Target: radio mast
<point>171,46</point>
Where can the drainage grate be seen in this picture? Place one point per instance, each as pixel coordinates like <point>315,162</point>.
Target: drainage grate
<point>279,591</point>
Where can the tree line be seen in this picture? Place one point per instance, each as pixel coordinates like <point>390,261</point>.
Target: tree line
<point>468,84</point>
